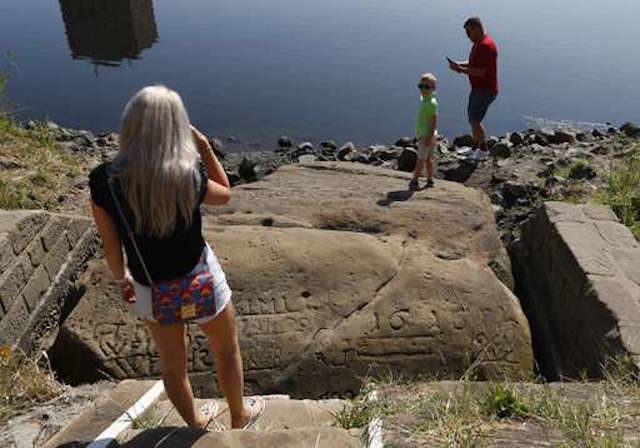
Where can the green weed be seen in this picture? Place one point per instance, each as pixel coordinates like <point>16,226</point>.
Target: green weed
<point>622,192</point>
<point>504,402</point>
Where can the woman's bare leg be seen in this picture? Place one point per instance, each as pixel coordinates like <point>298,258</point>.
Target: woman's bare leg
<point>172,346</point>
<point>223,338</point>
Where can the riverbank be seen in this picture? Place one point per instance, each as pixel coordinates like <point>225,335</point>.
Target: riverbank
<point>46,166</point>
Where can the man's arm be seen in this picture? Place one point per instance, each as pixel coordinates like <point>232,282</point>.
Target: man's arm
<point>475,72</point>
<point>458,66</point>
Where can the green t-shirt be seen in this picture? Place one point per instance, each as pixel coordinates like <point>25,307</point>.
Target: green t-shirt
<point>428,109</point>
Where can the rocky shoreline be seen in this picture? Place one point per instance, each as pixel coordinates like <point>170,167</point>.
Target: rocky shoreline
<point>525,168</point>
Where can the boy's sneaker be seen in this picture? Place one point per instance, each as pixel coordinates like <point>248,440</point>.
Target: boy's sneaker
<point>413,185</point>
<point>430,184</point>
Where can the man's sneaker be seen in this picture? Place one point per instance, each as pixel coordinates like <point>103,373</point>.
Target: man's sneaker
<point>430,184</point>
<point>413,185</point>
<point>479,155</point>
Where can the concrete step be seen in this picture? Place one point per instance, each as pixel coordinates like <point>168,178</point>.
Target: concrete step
<point>101,414</point>
<point>285,423</point>
<point>281,413</point>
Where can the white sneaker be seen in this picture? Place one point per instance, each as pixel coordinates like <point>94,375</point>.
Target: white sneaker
<point>479,154</point>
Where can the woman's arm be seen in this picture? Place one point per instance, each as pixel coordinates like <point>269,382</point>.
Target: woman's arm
<point>218,187</point>
<point>113,250</point>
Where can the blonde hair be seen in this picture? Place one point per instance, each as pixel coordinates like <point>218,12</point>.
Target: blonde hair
<point>157,163</point>
<point>431,78</point>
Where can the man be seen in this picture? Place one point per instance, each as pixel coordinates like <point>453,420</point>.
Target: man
<point>482,70</point>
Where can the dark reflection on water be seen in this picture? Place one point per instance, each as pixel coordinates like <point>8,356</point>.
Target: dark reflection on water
<point>109,31</point>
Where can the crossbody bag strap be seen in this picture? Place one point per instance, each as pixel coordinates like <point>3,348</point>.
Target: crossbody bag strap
<point>129,230</point>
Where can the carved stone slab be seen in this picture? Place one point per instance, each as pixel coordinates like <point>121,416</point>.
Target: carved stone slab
<point>580,272</point>
<point>346,286</point>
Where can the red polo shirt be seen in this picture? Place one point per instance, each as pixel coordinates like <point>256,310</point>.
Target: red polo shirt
<point>484,54</point>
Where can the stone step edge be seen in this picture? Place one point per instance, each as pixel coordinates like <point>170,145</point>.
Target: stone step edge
<point>106,409</point>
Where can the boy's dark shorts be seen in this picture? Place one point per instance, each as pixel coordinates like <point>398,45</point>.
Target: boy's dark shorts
<point>479,102</point>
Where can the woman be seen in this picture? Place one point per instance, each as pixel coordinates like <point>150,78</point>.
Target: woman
<point>159,183</point>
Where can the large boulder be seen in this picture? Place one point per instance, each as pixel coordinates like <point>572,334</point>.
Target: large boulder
<point>579,271</point>
<point>335,275</point>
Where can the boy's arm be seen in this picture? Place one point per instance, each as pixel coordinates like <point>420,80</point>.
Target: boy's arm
<point>434,126</point>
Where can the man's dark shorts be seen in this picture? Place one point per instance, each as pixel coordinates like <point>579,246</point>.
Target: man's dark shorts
<point>479,102</point>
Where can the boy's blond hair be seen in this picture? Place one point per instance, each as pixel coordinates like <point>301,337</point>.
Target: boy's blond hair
<point>430,78</point>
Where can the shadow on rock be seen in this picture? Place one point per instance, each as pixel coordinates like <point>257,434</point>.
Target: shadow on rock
<point>396,196</point>
<point>460,172</point>
<point>173,437</point>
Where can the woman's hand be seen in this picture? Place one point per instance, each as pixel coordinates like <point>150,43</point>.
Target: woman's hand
<point>201,140</point>
<point>128,291</point>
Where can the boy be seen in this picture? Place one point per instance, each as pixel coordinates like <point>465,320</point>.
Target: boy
<point>426,134</point>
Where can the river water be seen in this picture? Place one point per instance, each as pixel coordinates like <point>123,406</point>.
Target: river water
<point>339,69</point>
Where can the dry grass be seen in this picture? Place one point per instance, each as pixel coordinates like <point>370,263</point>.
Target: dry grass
<point>35,172</point>
<point>470,414</point>
<point>24,383</point>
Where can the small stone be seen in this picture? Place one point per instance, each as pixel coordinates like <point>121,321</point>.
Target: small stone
<point>464,151</point>
<point>492,141</point>
<point>360,157</point>
<point>612,131</point>
<point>597,133</point>
<point>218,147</point>
<point>407,160</point>
<point>305,147</point>
<point>80,182</point>
<point>463,140</point>
<point>501,150</point>
<point>442,148</point>
<point>514,190</point>
<point>516,138</point>
<point>345,150</point>
<point>582,137</point>
<point>251,171</point>
<point>52,126</point>
<point>496,197</point>
<point>563,136</point>
<point>600,150</point>
<point>498,212</point>
<point>582,170</point>
<point>284,142</point>
<point>109,155</point>
<point>540,139</point>
<point>232,139</point>
<point>555,180</point>
<point>307,158</point>
<point>630,130</point>
<point>405,142</point>
<point>329,144</point>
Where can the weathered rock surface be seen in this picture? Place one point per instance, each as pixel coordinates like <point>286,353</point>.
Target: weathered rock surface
<point>41,254</point>
<point>578,269</point>
<point>337,271</point>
